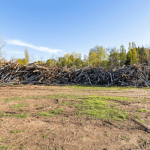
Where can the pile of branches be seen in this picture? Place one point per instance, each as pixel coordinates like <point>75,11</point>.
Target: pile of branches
<point>134,75</point>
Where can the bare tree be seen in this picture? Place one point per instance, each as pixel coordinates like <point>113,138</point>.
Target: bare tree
<point>1,46</point>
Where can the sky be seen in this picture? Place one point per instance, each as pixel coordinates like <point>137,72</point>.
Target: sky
<point>51,28</point>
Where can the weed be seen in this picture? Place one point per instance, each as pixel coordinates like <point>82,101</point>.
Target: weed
<point>36,134</point>
<point>58,96</point>
<point>22,147</point>
<point>107,135</point>
<point>19,105</point>
<point>37,105</point>
<point>44,114</point>
<point>127,137</point>
<point>1,139</point>
<point>34,97</point>
<point>15,115</point>
<point>45,136</point>
<point>142,110</point>
<point>3,147</point>
<point>5,115</point>
<point>13,98</point>
<point>96,87</point>
<point>17,131</point>
<point>65,103</point>
<point>49,129</point>
<point>57,111</point>
<point>21,115</point>
<point>142,121</point>
<point>137,116</point>
<point>88,135</point>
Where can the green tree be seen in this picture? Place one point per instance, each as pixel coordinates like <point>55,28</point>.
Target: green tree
<point>114,57</point>
<point>134,53</point>
<point>122,55</point>
<point>97,55</point>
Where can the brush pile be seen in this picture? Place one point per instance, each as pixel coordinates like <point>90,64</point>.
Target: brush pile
<point>13,73</point>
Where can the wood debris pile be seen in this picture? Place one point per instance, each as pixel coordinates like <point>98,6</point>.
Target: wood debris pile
<point>135,75</point>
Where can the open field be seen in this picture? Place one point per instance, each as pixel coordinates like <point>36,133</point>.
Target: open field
<point>74,117</point>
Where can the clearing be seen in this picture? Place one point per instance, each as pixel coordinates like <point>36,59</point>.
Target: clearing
<point>74,117</point>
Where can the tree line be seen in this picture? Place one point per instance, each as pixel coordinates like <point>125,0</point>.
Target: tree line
<point>98,57</point>
<point>104,57</point>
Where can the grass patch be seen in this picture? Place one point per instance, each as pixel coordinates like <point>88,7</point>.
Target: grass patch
<point>65,103</point>
<point>75,97</point>
<point>58,96</point>
<point>97,87</point>
<point>56,111</point>
<point>5,115</point>
<point>17,131</point>
<point>1,139</point>
<point>142,110</point>
<point>45,136</point>
<point>142,121</point>
<point>21,115</point>
<point>51,113</point>
<point>15,115</point>
<point>115,98</point>
<point>97,107</point>
<point>3,147</point>
<point>19,105</point>
<point>13,98</point>
<point>44,114</point>
<point>35,97</point>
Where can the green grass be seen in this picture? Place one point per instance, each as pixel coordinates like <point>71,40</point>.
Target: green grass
<point>75,97</point>
<point>17,131</point>
<point>3,147</point>
<point>142,121</point>
<point>65,103</point>
<point>97,87</point>
<point>137,116</point>
<point>21,115</point>
<point>51,113</point>
<point>20,98</point>
<point>142,110</point>
<point>44,114</point>
<point>15,115</point>
<point>13,98</point>
<point>19,105</point>
<point>45,136</point>
<point>1,139</point>
<point>35,97</point>
<point>114,98</point>
<point>56,111</point>
<point>5,115</point>
<point>127,137</point>
<point>58,96</point>
<point>96,106</point>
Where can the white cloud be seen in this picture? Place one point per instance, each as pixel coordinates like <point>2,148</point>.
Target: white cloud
<point>44,49</point>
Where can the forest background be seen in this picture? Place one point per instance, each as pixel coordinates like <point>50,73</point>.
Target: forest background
<point>98,56</point>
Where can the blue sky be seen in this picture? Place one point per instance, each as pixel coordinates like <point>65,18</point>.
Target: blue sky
<point>51,28</point>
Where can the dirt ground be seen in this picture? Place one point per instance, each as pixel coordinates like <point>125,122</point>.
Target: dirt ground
<point>66,130</point>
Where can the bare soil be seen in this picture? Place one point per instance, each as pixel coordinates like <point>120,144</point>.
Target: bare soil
<point>67,131</point>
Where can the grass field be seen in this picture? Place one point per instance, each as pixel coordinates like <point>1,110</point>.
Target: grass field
<point>74,117</point>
